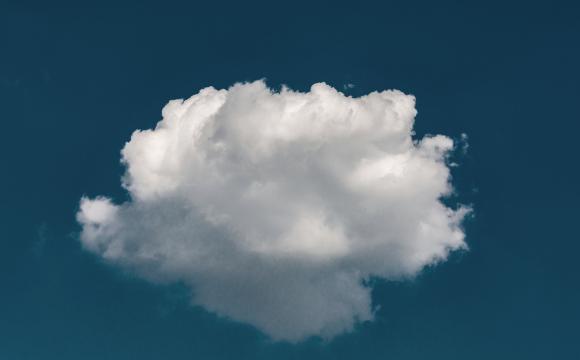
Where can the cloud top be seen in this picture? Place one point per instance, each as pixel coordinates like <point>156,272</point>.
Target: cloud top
<point>274,207</point>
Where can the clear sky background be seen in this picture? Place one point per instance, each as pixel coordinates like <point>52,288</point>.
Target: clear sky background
<point>77,79</point>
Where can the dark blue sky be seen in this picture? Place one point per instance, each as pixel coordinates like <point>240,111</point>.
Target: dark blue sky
<point>76,80</point>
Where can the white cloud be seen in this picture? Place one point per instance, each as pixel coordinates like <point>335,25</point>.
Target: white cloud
<point>274,207</point>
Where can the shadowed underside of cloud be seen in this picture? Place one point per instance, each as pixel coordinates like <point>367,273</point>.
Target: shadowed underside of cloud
<point>275,207</point>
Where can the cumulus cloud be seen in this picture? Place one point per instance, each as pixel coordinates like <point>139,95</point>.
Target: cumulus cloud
<point>275,207</point>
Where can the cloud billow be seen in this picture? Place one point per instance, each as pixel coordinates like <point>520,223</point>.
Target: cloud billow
<point>275,207</point>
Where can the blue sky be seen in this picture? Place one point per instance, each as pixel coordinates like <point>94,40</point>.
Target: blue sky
<point>77,79</point>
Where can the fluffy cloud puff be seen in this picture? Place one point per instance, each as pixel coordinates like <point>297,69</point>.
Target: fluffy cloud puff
<point>275,207</point>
